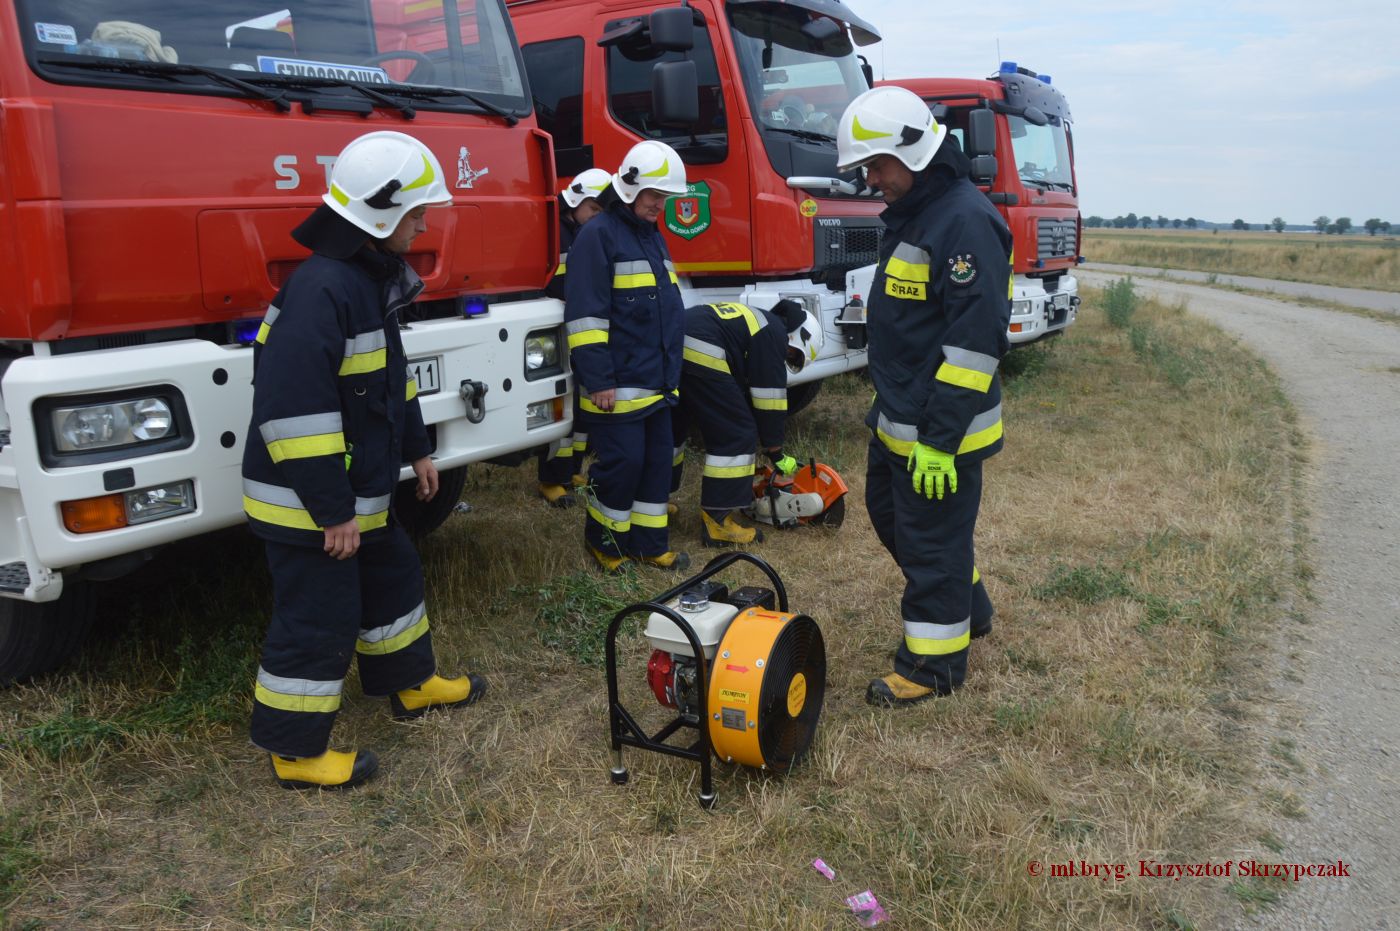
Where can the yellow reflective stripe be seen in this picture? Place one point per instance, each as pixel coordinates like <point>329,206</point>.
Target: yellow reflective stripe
<point>656,521</point>
<point>587,338</point>
<point>645,280</point>
<point>922,646</point>
<point>306,447</point>
<point>425,179</point>
<point>301,519</point>
<point>562,270</point>
<point>660,172</point>
<point>674,279</point>
<point>284,702</point>
<point>896,446</point>
<point>619,407</point>
<point>340,196</point>
<point>362,362</point>
<point>739,471</point>
<point>860,132</point>
<point>909,271</point>
<point>410,390</point>
<point>1011,281</point>
<point>264,329</point>
<point>976,576</point>
<point>770,404</point>
<point>619,526</point>
<point>975,441</point>
<point>964,378</point>
<point>729,310</point>
<point>709,362</point>
<point>395,643</point>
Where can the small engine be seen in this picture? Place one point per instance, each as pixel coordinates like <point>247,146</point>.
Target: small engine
<point>709,608</point>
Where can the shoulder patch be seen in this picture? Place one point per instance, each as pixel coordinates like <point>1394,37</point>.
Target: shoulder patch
<point>962,269</point>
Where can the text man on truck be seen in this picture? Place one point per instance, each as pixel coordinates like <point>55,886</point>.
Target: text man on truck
<point>155,156</point>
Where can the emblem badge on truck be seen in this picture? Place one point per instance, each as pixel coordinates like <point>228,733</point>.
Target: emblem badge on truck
<point>466,175</point>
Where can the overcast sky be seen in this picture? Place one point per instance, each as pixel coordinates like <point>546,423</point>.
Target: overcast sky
<point>1216,109</point>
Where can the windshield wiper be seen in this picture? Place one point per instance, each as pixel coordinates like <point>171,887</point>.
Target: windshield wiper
<point>801,133</point>
<point>167,70</point>
<point>433,92</point>
<point>384,100</point>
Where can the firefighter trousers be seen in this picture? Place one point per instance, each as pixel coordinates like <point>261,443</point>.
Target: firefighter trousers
<point>324,611</point>
<point>565,457</point>
<point>628,480</point>
<point>720,408</point>
<point>931,541</point>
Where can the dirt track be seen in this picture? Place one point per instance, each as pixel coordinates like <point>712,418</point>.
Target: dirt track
<point>1339,675</point>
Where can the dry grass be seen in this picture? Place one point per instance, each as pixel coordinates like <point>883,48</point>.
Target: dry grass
<point>1343,261</point>
<point>1137,542</point>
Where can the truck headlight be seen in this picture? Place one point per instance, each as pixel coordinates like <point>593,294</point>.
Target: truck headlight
<point>104,428</point>
<point>542,357</point>
<point>1020,308</point>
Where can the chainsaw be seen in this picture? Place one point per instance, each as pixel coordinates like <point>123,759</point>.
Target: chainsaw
<point>814,494</point>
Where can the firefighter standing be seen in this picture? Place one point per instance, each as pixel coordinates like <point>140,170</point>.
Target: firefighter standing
<point>334,415</point>
<point>625,323</point>
<point>938,313</point>
<point>734,387</point>
<point>578,203</point>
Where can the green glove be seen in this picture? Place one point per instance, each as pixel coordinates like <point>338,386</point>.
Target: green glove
<point>786,465</point>
<point>932,468</point>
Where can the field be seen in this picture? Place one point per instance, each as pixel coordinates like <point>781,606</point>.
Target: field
<point>1139,537</point>
<point>1343,261</point>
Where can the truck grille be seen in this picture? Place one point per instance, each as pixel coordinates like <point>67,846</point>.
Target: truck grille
<point>847,246</point>
<point>1056,239</point>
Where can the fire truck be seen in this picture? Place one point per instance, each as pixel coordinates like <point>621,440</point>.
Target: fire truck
<point>154,157</point>
<point>1015,128</point>
<point>749,92</point>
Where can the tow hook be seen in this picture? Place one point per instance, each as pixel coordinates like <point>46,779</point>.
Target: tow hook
<point>474,393</point>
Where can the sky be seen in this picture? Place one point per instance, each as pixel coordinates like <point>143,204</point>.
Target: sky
<point>1217,109</point>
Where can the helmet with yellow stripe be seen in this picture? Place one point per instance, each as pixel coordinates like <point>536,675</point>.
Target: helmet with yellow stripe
<point>649,165</point>
<point>888,121</point>
<point>586,184</point>
<point>380,177</point>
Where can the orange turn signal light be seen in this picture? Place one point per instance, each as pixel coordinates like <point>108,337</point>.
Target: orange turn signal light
<point>1015,328</point>
<point>90,515</point>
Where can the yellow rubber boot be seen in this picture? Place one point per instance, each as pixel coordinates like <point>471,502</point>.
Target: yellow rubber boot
<point>611,565</point>
<point>670,561</point>
<point>333,769</point>
<point>728,532</point>
<point>579,481</point>
<point>672,509</point>
<point>894,690</point>
<point>437,692</point>
<point>557,495</point>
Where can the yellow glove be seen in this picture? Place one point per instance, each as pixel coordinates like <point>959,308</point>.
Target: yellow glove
<point>784,463</point>
<point>932,468</point>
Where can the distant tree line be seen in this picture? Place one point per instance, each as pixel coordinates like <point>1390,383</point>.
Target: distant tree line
<point>1340,226</point>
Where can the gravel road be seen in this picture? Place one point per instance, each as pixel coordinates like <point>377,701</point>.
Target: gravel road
<point>1370,300</point>
<point>1342,373</point>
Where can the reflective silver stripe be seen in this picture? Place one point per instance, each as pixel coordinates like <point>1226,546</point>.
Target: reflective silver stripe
<point>290,428</point>
<point>583,324</point>
<point>393,629</point>
<point>563,257</point>
<point>911,254</point>
<point>726,462</point>
<point>776,394</point>
<point>646,507</point>
<point>366,342</point>
<point>287,498</point>
<point>984,420</point>
<point>622,517</point>
<point>633,394</point>
<point>632,268</point>
<point>922,630</point>
<point>670,266</point>
<point>967,359</point>
<point>900,431</point>
<point>704,348</point>
<point>320,688</point>
<point>273,311</point>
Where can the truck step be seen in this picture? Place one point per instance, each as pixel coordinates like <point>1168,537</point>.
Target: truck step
<point>14,577</point>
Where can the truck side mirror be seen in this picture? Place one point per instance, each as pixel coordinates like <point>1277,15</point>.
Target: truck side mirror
<point>672,29</point>
<point>981,133</point>
<point>984,169</point>
<point>675,94</point>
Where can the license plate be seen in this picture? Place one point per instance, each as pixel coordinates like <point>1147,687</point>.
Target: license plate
<point>426,372</point>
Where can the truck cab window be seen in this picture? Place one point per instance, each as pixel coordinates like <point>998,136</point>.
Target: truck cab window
<point>555,69</point>
<point>1042,152</point>
<point>629,98</point>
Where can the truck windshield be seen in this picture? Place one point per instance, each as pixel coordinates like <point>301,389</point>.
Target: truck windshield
<point>1042,153</point>
<point>463,45</point>
<point>798,79</point>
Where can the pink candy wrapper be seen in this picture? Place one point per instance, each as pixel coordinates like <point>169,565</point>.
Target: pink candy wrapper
<point>820,866</point>
<point>867,909</point>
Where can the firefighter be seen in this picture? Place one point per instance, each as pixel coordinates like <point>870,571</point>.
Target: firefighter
<point>578,203</point>
<point>625,324</point>
<point>734,387</point>
<point>334,415</point>
<point>939,307</point>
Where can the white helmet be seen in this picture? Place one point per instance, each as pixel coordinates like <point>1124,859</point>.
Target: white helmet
<point>380,177</point>
<point>586,184</point>
<point>888,121</point>
<point>649,165</point>
<point>804,343</point>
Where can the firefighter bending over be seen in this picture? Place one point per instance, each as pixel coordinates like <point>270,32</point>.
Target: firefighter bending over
<point>334,414</point>
<point>623,315</point>
<point>734,387</point>
<point>938,313</point>
<point>562,466</point>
